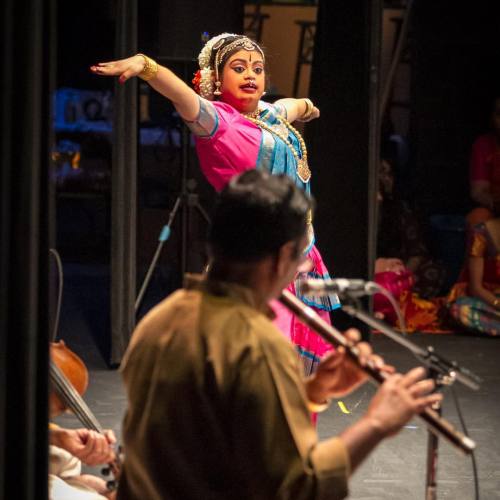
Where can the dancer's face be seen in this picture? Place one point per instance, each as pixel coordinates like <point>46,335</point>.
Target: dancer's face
<point>243,80</point>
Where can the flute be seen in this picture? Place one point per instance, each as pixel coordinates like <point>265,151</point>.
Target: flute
<point>435,422</point>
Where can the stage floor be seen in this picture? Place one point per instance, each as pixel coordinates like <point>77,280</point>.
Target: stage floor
<point>397,469</point>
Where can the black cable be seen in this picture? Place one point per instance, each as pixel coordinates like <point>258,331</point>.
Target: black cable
<point>60,277</point>
<point>466,432</point>
<point>395,306</point>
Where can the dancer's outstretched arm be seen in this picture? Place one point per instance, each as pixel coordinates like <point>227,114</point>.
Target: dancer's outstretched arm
<point>164,81</point>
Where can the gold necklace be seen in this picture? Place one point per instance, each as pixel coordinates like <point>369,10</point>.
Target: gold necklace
<point>303,170</point>
<point>254,114</point>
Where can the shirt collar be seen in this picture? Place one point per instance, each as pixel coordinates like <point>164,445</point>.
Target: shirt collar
<point>227,289</point>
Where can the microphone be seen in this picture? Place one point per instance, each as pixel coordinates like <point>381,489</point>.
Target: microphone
<point>341,286</point>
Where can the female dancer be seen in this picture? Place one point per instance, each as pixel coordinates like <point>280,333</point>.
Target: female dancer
<point>235,131</point>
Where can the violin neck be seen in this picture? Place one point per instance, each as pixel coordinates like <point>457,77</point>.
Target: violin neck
<point>72,399</point>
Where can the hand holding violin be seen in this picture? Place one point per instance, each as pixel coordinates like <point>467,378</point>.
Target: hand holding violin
<point>91,447</point>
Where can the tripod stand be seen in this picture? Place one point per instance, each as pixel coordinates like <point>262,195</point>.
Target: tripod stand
<point>185,201</point>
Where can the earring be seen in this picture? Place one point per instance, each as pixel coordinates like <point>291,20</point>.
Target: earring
<point>217,88</point>
<point>264,93</point>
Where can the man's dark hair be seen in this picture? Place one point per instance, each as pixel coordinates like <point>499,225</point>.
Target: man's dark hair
<point>256,214</point>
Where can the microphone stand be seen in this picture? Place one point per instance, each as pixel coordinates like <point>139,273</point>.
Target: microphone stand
<point>432,451</point>
<point>444,372</point>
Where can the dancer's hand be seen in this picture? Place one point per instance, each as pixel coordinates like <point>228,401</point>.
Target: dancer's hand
<point>314,114</point>
<point>185,100</point>
<point>123,68</point>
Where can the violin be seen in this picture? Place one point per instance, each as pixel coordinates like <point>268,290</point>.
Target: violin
<point>69,377</point>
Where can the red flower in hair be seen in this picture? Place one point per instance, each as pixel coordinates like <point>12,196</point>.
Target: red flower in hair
<point>196,81</point>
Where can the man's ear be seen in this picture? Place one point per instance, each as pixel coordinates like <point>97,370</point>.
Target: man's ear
<point>286,254</point>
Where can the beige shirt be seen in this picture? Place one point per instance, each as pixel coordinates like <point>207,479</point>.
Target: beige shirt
<point>217,408</point>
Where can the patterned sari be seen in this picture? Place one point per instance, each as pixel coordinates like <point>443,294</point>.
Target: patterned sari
<point>472,312</point>
<point>227,144</point>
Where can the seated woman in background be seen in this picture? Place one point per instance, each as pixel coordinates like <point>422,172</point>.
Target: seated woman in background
<point>485,170</point>
<point>474,301</point>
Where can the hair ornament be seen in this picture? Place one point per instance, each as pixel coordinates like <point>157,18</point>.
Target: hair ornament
<point>206,52</point>
<point>206,84</point>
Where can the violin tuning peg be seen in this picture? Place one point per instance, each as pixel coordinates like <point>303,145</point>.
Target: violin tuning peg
<point>106,471</point>
<point>111,485</point>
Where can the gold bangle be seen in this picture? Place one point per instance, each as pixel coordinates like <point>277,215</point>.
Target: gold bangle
<point>150,68</point>
<point>308,112</point>
<point>317,407</point>
<point>309,217</point>
<point>495,302</point>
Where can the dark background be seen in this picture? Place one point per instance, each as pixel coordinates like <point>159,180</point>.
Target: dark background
<point>50,44</point>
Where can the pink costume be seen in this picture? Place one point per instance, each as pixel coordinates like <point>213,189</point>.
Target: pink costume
<point>228,144</point>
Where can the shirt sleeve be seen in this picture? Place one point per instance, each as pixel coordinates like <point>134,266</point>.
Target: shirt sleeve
<point>207,122</point>
<point>285,451</point>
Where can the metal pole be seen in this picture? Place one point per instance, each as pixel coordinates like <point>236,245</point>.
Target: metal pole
<point>123,190</point>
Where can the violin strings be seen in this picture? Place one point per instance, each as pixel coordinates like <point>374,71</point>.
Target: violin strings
<point>68,397</point>
<point>74,401</point>
<point>79,406</point>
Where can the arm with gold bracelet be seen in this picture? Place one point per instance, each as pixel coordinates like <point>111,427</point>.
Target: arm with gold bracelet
<point>299,109</point>
<point>164,81</point>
